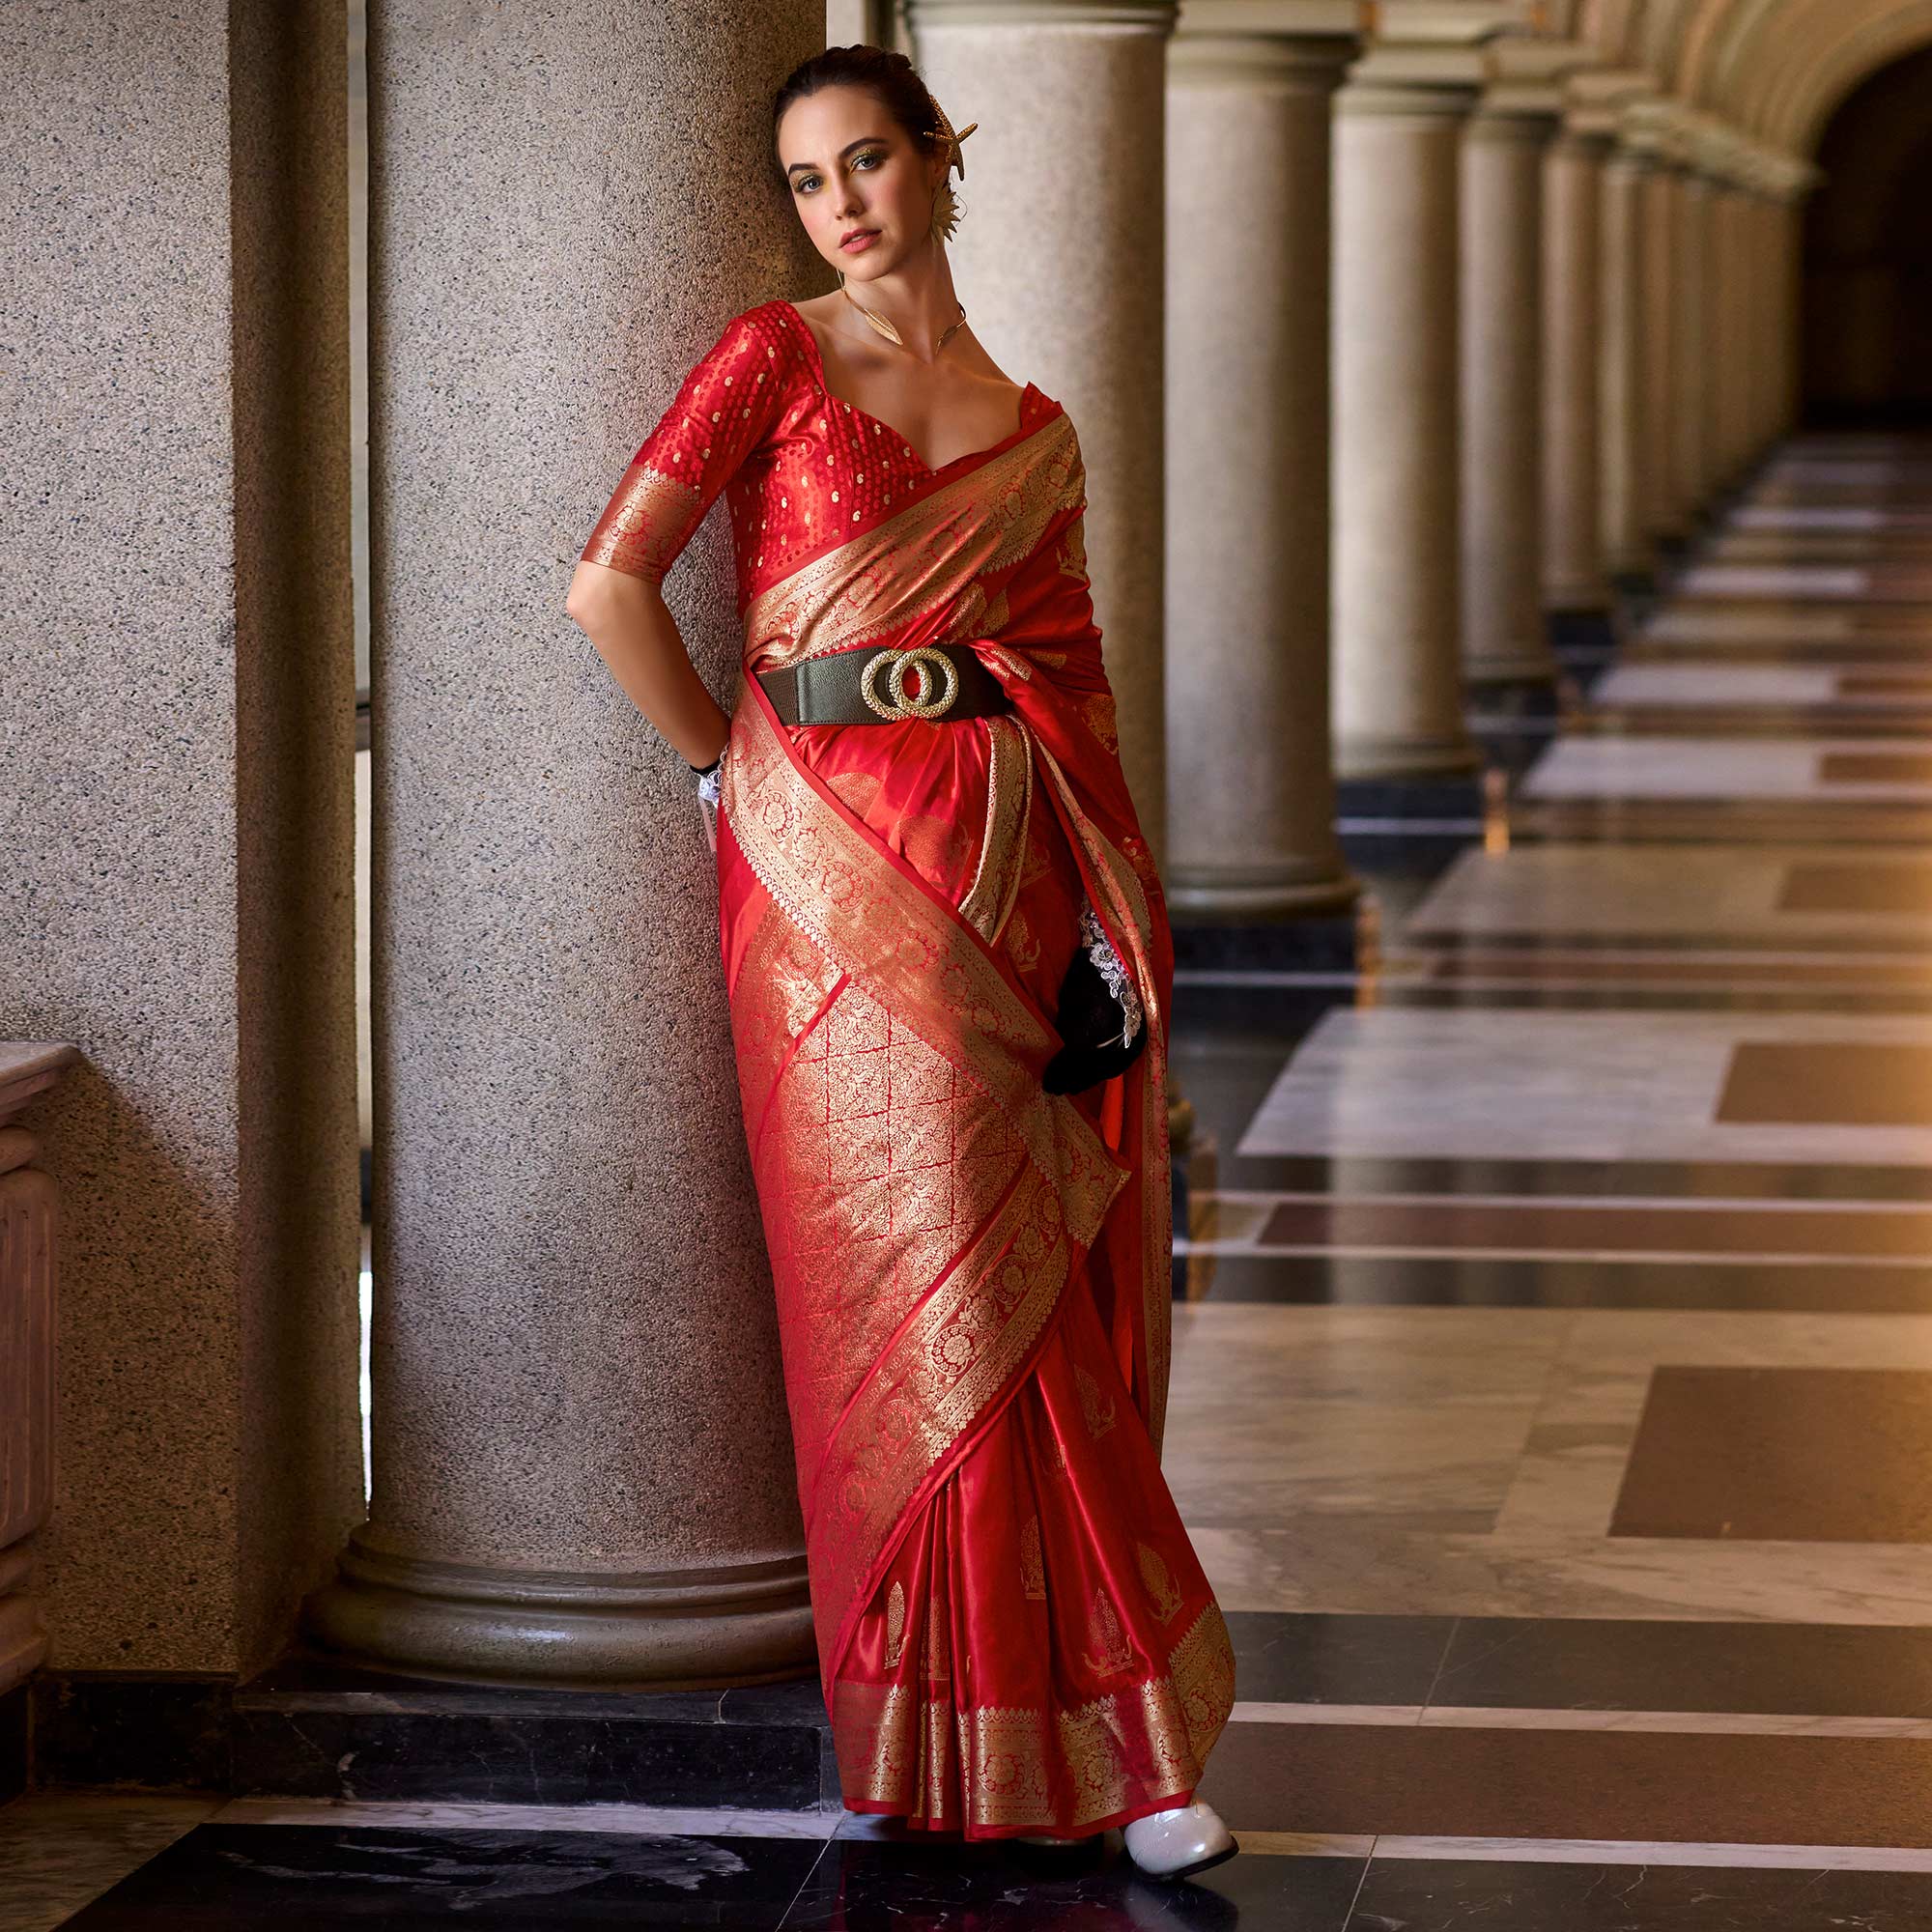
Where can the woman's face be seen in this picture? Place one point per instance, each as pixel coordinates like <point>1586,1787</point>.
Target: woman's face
<point>855,172</point>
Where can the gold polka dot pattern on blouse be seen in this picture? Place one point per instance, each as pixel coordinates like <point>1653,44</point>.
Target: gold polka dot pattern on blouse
<point>775,454</point>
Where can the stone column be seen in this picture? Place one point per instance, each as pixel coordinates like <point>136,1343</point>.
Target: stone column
<point>583,1465</point>
<point>1252,794</point>
<point>1673,350</point>
<point>1060,251</point>
<point>1738,334</point>
<point>176,897</point>
<point>1501,274</point>
<point>1785,219</point>
<point>1697,293</point>
<point>29,1242</point>
<point>1396,601</point>
<point>1574,581</point>
<point>1626,448</point>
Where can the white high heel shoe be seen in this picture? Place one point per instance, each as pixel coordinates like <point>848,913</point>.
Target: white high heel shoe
<point>1178,1842</point>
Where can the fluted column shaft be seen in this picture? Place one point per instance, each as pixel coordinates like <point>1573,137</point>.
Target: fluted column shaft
<point>1501,341</point>
<point>1572,441</point>
<point>582,1468</point>
<point>1252,794</point>
<point>1068,289</point>
<point>1396,601</point>
<point>1623,421</point>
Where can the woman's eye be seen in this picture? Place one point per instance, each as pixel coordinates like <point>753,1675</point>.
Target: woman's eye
<point>870,155</point>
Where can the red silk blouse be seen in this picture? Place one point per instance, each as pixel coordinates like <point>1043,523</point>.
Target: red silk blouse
<point>800,468</point>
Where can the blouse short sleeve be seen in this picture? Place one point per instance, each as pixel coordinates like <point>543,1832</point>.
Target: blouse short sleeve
<point>721,412</point>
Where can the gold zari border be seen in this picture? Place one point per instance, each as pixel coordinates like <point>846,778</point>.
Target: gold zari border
<point>914,1753</point>
<point>921,559</point>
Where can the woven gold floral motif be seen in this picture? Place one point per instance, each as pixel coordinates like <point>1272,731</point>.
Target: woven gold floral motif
<point>1033,1566</point>
<point>1108,1650</point>
<point>1097,1408</point>
<point>1164,1597</point>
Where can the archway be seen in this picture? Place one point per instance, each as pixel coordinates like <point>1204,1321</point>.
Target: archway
<point>1867,261</point>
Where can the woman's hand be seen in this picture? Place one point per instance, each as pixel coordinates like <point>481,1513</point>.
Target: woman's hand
<point>626,617</point>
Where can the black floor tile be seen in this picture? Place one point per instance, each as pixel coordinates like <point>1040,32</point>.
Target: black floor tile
<point>1494,1282</point>
<point>879,1885</point>
<point>1606,1180</point>
<point>269,1878</point>
<point>1593,1663</point>
<point>1413,1895</point>
<point>1511,1780</point>
<point>1313,1657</point>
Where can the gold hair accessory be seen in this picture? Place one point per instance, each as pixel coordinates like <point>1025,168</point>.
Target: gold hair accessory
<point>945,203</point>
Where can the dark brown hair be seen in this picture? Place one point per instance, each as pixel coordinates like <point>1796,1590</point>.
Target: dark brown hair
<point>886,72</point>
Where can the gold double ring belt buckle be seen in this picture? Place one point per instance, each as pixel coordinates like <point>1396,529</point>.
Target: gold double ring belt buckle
<point>903,661</point>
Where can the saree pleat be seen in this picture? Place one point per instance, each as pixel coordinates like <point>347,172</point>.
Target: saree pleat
<point>972,1274</point>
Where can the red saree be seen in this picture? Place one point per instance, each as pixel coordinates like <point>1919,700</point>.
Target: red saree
<point>972,1274</point>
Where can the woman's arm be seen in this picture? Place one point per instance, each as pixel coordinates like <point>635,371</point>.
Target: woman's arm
<point>626,617</point>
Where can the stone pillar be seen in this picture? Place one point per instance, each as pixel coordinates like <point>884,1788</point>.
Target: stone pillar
<point>1501,278</point>
<point>1672,351</point>
<point>1626,448</point>
<point>1786,220</point>
<point>1252,795</point>
<point>29,1242</point>
<point>1061,252</point>
<point>1396,601</point>
<point>1698,293</point>
<point>1736,319</point>
<point>1573,293</point>
<point>583,1465</point>
<point>177,893</point>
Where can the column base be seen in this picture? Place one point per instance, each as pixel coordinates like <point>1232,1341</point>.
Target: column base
<point>312,1728</point>
<point>1371,760</point>
<point>1581,628</point>
<point>1207,895</point>
<point>1315,943</point>
<point>745,1622</point>
<point>1399,822</point>
<point>1583,641</point>
<point>1533,665</point>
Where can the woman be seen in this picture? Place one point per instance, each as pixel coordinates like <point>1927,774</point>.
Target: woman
<point>948,968</point>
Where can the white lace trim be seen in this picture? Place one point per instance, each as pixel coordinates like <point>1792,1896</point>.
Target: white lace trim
<point>1100,949</point>
<point>709,783</point>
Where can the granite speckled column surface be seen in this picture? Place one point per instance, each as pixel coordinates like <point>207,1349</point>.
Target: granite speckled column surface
<point>176,691</point>
<point>583,1465</point>
<point>1573,552</point>
<point>1398,700</point>
<point>1251,803</point>
<point>1501,342</point>
<point>1059,258</point>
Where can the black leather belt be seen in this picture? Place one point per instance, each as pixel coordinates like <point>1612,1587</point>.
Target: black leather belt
<point>881,686</point>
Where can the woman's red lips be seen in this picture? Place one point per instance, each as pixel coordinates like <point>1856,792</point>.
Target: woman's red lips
<point>858,237</point>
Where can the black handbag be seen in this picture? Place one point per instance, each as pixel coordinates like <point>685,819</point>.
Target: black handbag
<point>1093,1024</point>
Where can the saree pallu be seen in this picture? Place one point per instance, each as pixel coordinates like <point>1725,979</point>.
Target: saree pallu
<point>972,1274</point>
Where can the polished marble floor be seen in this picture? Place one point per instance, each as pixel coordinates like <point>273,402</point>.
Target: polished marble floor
<point>1552,1393</point>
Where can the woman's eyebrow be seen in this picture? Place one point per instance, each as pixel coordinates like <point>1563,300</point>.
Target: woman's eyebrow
<point>842,152</point>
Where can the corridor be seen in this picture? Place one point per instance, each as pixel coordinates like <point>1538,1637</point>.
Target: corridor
<point>1553,1392</point>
